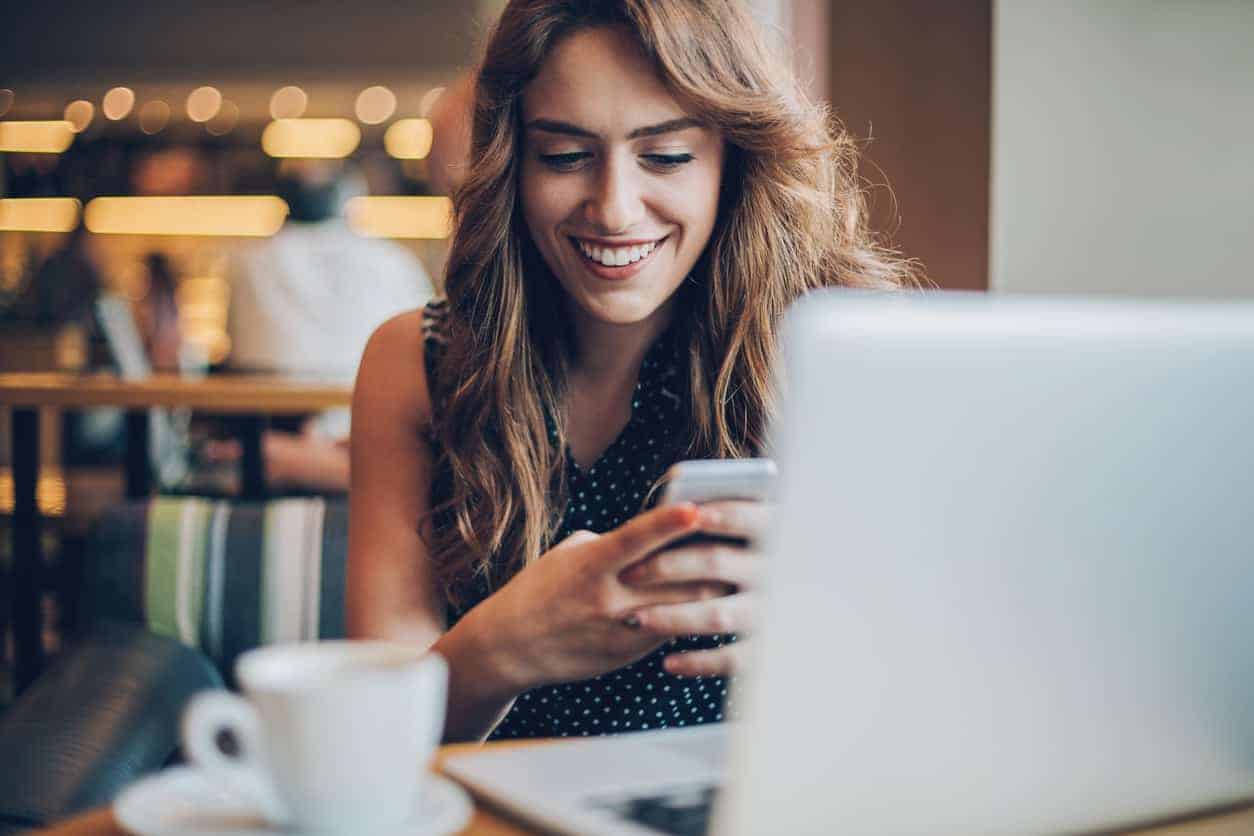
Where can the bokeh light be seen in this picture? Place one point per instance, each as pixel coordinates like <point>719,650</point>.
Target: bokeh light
<point>400,217</point>
<point>48,137</point>
<point>79,114</point>
<point>310,138</point>
<point>154,116</point>
<point>229,215</point>
<point>288,103</point>
<point>117,103</point>
<point>203,104</point>
<point>375,104</point>
<point>409,139</point>
<point>39,214</point>
<point>225,120</point>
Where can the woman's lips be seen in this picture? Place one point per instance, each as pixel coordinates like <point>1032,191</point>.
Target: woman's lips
<point>617,272</point>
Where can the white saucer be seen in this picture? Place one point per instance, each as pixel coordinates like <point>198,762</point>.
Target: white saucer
<point>183,800</point>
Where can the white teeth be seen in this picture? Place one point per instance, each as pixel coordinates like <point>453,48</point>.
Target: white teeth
<point>616,257</point>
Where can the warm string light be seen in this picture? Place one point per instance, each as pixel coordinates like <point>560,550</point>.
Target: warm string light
<point>409,139</point>
<point>400,217</point>
<point>39,214</point>
<point>289,135</point>
<point>203,104</point>
<point>225,215</point>
<point>375,105</point>
<point>310,138</point>
<point>117,103</point>
<point>225,120</point>
<point>154,116</point>
<point>79,114</point>
<point>46,137</point>
<point>288,103</point>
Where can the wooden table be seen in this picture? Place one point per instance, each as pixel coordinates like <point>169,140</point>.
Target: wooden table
<point>251,398</point>
<point>487,822</point>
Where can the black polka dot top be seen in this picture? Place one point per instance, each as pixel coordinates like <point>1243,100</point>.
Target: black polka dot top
<point>602,497</point>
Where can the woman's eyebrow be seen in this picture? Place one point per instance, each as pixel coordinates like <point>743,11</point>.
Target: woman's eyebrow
<point>554,126</point>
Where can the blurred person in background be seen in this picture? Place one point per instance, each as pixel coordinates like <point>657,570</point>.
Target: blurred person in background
<point>63,289</point>
<point>304,303</point>
<point>158,314</point>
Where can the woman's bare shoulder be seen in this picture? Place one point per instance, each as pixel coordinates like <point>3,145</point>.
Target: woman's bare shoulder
<point>393,366</point>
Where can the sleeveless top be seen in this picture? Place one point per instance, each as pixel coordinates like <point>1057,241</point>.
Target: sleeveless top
<point>602,497</point>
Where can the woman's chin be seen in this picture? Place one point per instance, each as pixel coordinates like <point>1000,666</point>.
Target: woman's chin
<point>622,307</point>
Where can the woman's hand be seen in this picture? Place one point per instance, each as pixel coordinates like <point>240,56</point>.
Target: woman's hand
<point>568,615</point>
<point>736,568</point>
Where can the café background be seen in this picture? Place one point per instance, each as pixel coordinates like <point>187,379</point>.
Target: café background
<point>1013,145</point>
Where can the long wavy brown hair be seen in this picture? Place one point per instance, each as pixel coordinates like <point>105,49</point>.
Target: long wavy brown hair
<point>791,218</point>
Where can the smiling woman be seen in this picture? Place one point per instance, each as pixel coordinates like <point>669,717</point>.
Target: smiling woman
<point>613,193</point>
<point>648,191</point>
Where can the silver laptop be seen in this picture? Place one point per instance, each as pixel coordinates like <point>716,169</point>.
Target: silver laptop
<point>1011,591</point>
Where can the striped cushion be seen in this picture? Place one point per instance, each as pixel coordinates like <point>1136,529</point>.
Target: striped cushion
<point>222,576</point>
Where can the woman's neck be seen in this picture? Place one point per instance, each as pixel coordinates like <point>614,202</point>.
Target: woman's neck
<point>609,355</point>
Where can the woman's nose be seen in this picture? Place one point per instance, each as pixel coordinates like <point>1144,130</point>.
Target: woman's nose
<point>616,205</point>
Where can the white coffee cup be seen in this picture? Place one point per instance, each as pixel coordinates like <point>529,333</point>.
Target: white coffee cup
<point>333,735</point>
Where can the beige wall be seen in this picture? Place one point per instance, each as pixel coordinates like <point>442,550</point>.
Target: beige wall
<point>1123,159</point>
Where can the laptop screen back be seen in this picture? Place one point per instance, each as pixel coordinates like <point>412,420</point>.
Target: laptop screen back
<point>1011,570</point>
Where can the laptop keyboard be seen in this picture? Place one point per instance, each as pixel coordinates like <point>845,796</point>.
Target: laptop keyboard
<point>681,811</point>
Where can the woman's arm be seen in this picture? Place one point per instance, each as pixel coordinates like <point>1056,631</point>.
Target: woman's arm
<point>564,617</point>
<point>391,591</point>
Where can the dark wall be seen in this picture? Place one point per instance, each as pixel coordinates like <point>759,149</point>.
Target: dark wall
<point>915,76</point>
<point>141,40</point>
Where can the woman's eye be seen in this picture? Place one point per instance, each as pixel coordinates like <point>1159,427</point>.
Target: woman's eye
<point>564,162</point>
<point>667,161</point>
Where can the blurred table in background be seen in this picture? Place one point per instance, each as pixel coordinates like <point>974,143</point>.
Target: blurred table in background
<point>250,399</point>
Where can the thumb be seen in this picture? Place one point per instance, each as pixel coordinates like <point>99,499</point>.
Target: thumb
<point>648,532</point>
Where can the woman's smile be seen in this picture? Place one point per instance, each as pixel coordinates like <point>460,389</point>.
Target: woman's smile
<point>616,261</point>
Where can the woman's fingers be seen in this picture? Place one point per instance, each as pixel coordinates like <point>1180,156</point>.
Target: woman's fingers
<point>735,518</point>
<point>725,563</point>
<point>670,593</point>
<point>718,661</point>
<point>728,614</point>
<point>646,533</point>
<point>680,593</point>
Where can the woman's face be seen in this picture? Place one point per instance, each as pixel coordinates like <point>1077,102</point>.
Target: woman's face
<point>619,184</point>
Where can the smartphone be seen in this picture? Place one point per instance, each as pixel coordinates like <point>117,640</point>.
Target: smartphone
<point>715,480</point>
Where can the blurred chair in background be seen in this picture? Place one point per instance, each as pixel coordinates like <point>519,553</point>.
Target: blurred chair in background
<point>304,303</point>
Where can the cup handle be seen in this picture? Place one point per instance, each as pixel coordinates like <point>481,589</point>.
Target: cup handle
<point>207,716</point>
